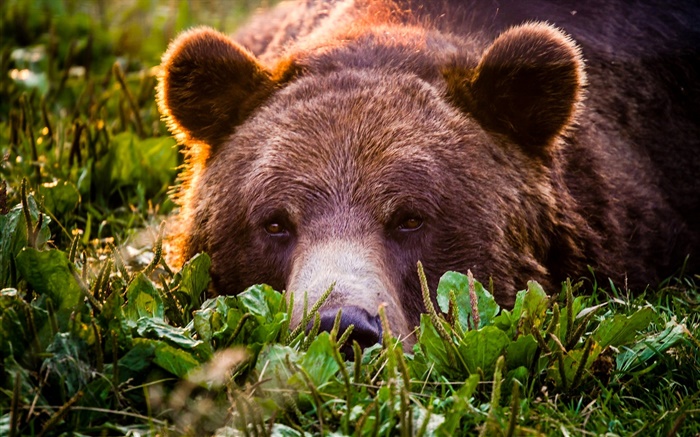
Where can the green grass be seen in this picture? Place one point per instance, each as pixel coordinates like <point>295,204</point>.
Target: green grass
<point>94,341</point>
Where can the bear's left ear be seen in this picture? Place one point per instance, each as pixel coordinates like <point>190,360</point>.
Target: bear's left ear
<point>208,85</point>
<point>526,86</point>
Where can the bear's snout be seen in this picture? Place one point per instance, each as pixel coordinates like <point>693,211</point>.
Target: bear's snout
<point>356,273</point>
<point>367,328</point>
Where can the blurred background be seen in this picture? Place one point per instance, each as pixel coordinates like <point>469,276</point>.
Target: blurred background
<point>100,29</point>
<point>78,118</point>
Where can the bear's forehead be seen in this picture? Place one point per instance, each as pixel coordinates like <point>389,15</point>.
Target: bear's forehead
<point>355,124</point>
<point>361,116</point>
<point>350,179</point>
<point>346,139</point>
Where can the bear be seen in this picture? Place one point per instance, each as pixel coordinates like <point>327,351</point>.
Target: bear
<point>337,143</point>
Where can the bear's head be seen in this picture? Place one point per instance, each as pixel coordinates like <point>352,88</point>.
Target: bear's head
<point>347,162</point>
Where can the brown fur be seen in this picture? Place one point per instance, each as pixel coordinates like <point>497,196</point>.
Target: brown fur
<point>344,124</point>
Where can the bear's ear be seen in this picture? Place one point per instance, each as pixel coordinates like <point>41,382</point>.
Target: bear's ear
<point>208,85</point>
<point>526,86</point>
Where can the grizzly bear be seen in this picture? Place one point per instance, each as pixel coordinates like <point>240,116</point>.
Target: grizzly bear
<point>339,142</point>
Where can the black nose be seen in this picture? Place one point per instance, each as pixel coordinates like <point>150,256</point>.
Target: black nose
<point>367,329</point>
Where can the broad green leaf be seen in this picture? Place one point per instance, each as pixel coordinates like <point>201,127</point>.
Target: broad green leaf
<point>195,278</point>
<point>535,303</point>
<point>201,322</point>
<point>389,407</point>
<point>158,329</point>
<point>435,349</point>
<point>459,284</point>
<point>520,374</point>
<point>176,361</point>
<point>51,274</point>
<point>488,308</point>
<point>506,322</point>
<point>262,301</point>
<point>650,346</point>
<point>519,304</point>
<point>273,372</point>
<point>267,332</point>
<point>264,304</point>
<point>218,319</point>
<point>318,360</point>
<point>67,365</point>
<point>13,236</point>
<point>137,359</point>
<point>621,329</point>
<point>143,299</point>
<point>521,352</point>
<point>480,349</point>
<point>272,362</point>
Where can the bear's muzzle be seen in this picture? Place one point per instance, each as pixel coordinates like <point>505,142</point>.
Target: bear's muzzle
<point>357,273</point>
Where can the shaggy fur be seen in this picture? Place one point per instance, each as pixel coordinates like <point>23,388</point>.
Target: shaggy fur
<point>343,141</point>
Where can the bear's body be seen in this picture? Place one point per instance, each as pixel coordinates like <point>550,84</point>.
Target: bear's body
<point>354,138</point>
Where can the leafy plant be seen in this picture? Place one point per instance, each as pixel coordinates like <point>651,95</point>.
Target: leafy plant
<point>94,352</point>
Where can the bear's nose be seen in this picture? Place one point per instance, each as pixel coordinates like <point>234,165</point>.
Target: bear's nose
<point>367,329</point>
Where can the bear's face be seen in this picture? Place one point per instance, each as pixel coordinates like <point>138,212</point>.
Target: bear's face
<point>350,177</point>
<point>351,188</point>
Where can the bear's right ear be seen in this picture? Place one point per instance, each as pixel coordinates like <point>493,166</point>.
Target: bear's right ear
<point>208,85</point>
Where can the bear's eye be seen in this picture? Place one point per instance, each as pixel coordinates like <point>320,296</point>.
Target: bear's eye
<point>411,224</point>
<point>276,229</point>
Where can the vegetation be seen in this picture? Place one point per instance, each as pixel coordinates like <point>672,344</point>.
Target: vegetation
<point>98,336</point>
